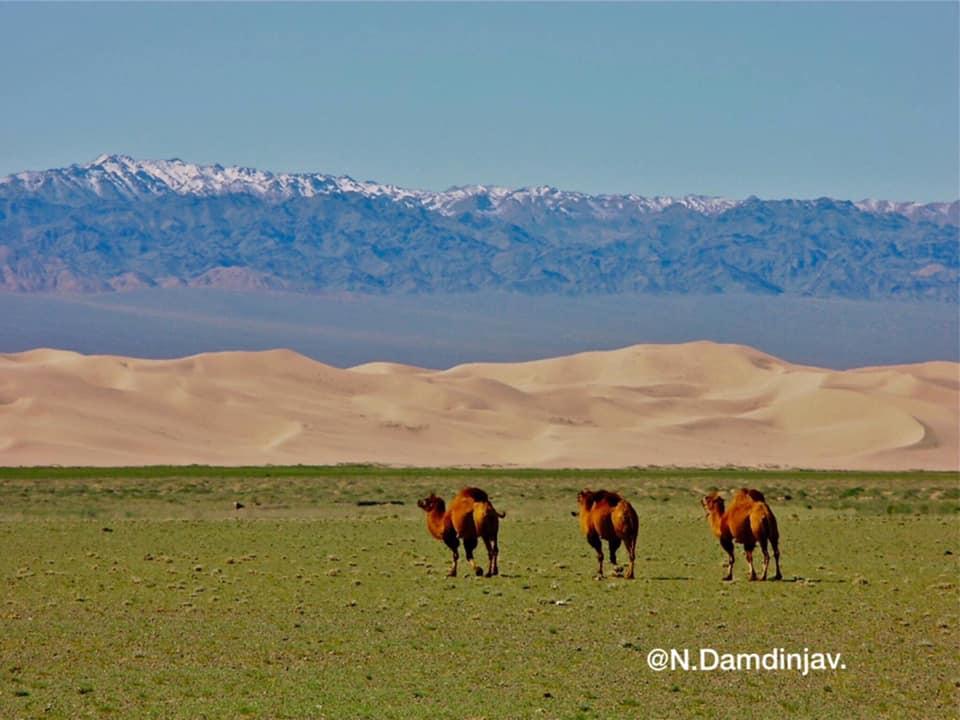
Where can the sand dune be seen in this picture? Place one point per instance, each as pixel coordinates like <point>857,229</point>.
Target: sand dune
<point>696,404</point>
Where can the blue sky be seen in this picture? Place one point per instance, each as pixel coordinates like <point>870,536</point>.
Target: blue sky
<point>800,100</point>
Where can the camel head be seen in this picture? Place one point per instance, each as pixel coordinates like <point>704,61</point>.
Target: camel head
<point>431,503</point>
<point>712,503</point>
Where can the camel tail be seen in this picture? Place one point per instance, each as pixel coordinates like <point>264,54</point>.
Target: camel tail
<point>485,516</point>
<point>764,525</point>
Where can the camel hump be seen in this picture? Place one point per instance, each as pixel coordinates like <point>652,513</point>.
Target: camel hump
<point>754,495</point>
<point>610,498</point>
<point>475,494</point>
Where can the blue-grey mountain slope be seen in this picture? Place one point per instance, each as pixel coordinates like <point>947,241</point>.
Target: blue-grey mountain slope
<point>119,223</point>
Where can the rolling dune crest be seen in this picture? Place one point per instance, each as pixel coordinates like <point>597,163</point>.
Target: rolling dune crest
<point>693,404</point>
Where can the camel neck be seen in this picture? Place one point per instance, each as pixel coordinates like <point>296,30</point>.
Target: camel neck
<point>716,522</point>
<point>435,522</point>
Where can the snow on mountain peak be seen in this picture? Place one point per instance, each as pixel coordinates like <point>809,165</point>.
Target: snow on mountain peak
<point>131,177</point>
<point>938,212</point>
<point>124,176</point>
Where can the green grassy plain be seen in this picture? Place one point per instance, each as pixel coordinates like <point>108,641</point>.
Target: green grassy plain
<point>143,593</point>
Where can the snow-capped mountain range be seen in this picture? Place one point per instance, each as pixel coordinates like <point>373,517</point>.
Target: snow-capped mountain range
<point>123,176</point>
<point>119,222</point>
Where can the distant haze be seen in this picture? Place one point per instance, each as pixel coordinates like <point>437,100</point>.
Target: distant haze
<point>444,330</point>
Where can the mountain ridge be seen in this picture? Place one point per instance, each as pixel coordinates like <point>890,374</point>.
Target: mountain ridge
<point>118,223</point>
<point>178,176</point>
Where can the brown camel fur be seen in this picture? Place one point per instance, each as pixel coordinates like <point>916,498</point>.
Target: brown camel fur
<point>748,521</point>
<point>607,516</point>
<point>471,516</point>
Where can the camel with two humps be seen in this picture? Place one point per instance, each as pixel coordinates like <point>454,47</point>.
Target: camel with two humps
<point>748,521</point>
<point>470,518</point>
<point>608,516</point>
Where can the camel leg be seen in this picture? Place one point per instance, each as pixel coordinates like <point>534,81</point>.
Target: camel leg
<point>749,553</point>
<point>597,545</point>
<point>492,552</point>
<point>469,545</point>
<point>453,543</point>
<point>727,545</point>
<point>631,544</point>
<point>766,557</point>
<point>614,546</point>
<point>776,558</point>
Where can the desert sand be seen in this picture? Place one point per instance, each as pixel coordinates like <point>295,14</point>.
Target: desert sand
<point>695,404</point>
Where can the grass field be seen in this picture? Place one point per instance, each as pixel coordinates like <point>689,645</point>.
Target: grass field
<point>143,593</point>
